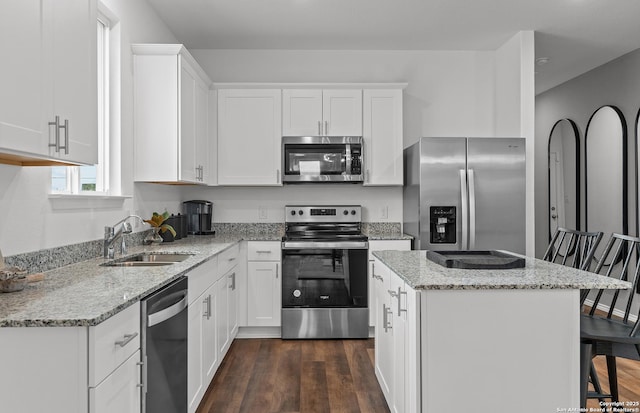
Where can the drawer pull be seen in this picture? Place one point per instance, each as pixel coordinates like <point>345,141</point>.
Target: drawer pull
<point>263,251</point>
<point>126,340</point>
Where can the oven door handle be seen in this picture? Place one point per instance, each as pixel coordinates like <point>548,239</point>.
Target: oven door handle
<point>341,245</point>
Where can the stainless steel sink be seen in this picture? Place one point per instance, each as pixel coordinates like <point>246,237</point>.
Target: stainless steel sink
<point>147,260</point>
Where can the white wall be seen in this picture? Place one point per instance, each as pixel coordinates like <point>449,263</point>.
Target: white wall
<point>615,83</point>
<point>29,220</point>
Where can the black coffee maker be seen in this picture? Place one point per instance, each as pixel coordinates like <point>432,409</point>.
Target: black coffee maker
<point>199,217</point>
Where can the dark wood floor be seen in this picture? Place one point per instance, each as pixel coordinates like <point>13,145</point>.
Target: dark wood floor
<point>309,376</point>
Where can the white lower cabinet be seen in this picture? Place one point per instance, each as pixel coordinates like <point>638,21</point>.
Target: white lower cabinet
<point>381,245</point>
<point>120,391</point>
<point>264,288</point>
<point>397,349</point>
<point>212,324</point>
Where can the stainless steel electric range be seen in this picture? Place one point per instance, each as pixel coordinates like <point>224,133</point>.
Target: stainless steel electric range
<point>324,273</point>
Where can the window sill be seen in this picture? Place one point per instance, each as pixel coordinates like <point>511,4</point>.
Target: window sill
<point>82,201</point>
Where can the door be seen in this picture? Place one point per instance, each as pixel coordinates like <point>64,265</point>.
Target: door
<point>442,188</point>
<point>249,135</point>
<point>496,179</point>
<point>382,134</point>
<point>342,112</point>
<point>72,52</point>
<point>556,192</point>
<point>263,295</point>
<point>187,142</point>
<point>120,391</point>
<point>301,112</point>
<point>22,81</point>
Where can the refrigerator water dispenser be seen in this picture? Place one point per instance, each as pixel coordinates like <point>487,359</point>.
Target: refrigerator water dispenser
<point>443,224</point>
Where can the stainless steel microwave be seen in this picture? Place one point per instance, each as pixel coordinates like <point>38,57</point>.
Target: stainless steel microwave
<point>322,159</point>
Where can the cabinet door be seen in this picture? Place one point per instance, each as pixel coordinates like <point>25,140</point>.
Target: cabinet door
<point>249,134</point>
<point>210,335</point>
<point>22,81</point>
<point>120,391</point>
<point>342,112</point>
<point>202,132</point>
<point>383,332</point>
<point>398,293</point>
<point>188,170</point>
<point>222,316</point>
<point>302,112</point>
<point>232,307</point>
<point>71,34</point>
<point>195,360</point>
<point>263,294</point>
<point>382,134</point>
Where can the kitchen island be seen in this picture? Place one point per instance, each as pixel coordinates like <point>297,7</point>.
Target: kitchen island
<point>478,340</point>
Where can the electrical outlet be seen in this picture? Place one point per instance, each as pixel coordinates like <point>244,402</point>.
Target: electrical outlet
<point>262,212</point>
<point>384,212</point>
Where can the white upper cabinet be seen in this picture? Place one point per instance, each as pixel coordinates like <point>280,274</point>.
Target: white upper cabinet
<point>322,112</point>
<point>249,134</point>
<point>382,135</point>
<point>171,106</point>
<point>52,76</point>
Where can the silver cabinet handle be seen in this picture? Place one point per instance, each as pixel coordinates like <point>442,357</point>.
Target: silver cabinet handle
<point>263,251</point>
<point>326,127</point>
<point>276,270</point>
<point>56,125</point>
<point>400,294</point>
<point>320,128</point>
<point>232,259</point>
<point>385,320</point>
<point>278,176</point>
<point>392,293</point>
<point>126,340</point>
<point>66,136</point>
<point>232,276</point>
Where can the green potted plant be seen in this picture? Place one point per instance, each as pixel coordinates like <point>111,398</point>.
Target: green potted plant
<point>158,225</point>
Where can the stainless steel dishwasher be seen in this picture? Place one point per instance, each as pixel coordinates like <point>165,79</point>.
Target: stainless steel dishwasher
<point>164,349</point>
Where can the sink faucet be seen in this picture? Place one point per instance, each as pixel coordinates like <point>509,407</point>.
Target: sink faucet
<point>111,235</point>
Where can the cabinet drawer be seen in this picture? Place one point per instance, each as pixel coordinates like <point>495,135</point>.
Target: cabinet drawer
<point>228,259</point>
<point>202,277</point>
<point>112,342</point>
<point>264,251</point>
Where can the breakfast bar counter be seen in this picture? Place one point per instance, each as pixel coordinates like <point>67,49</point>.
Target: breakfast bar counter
<point>478,340</point>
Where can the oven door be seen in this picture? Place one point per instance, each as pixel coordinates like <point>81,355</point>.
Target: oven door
<point>324,275</point>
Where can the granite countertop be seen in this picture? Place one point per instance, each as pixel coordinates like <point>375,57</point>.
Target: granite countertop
<point>422,274</point>
<point>85,293</point>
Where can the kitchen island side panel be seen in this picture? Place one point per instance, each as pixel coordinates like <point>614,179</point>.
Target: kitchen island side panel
<point>500,350</point>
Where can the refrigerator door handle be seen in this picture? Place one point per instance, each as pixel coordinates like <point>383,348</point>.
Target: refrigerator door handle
<point>464,212</point>
<point>472,209</point>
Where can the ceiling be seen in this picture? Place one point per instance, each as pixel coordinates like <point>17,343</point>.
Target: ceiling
<point>576,35</point>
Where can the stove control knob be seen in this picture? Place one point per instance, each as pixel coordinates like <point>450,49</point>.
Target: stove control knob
<point>297,293</point>
<point>301,212</point>
<point>293,212</point>
<point>345,212</point>
<point>353,212</point>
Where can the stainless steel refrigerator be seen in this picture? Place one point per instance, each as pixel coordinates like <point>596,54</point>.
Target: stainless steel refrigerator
<point>465,194</point>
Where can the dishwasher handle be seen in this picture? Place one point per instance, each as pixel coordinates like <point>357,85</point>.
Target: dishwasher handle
<point>168,312</point>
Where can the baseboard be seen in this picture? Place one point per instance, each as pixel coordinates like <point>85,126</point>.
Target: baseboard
<point>616,312</point>
<point>259,332</point>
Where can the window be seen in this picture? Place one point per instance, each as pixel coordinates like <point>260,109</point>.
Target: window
<point>92,179</point>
